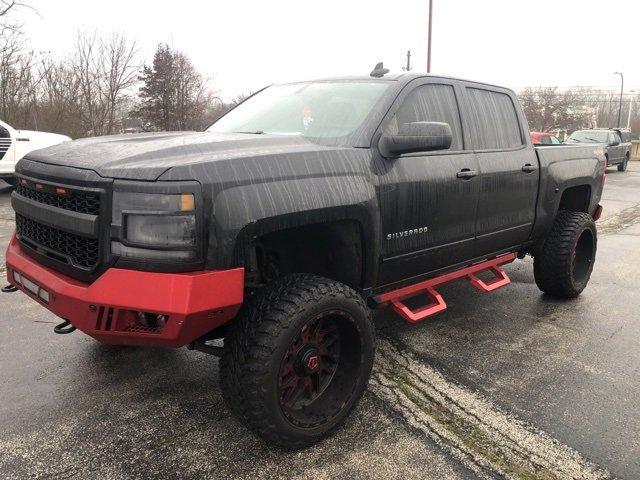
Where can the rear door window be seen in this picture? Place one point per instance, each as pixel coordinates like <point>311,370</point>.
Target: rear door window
<point>493,121</point>
<point>430,103</point>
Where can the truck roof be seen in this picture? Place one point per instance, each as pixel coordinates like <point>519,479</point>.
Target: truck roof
<point>404,77</point>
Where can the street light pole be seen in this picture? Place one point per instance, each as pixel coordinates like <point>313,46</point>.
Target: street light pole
<point>429,38</point>
<point>630,108</point>
<point>621,91</point>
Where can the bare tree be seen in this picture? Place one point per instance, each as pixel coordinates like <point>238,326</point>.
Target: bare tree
<point>192,95</point>
<point>12,37</point>
<point>15,64</point>
<point>59,107</point>
<point>547,108</point>
<point>121,71</point>
<point>85,64</point>
<point>7,5</point>
<point>16,80</point>
<point>217,108</point>
<point>106,69</point>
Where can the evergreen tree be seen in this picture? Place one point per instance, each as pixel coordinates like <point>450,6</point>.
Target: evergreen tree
<point>174,95</point>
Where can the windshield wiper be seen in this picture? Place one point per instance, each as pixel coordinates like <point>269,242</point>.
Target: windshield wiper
<point>257,132</point>
<point>592,139</point>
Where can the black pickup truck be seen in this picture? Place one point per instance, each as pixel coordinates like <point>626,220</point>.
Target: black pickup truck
<point>268,238</point>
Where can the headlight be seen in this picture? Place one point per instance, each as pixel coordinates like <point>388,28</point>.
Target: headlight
<point>161,230</point>
<point>154,226</point>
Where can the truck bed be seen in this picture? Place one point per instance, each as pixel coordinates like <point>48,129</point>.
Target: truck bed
<point>561,167</point>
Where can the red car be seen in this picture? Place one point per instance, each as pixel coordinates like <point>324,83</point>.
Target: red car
<point>544,138</point>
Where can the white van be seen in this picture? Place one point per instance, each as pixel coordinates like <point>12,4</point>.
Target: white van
<point>15,144</point>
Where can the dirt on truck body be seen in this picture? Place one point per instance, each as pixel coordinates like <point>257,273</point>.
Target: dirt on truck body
<point>282,225</point>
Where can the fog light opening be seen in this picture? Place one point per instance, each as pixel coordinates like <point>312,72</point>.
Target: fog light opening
<point>152,320</point>
<point>31,286</point>
<point>44,295</point>
<point>135,321</point>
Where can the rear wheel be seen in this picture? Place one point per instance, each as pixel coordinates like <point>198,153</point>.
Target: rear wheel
<point>563,264</point>
<point>623,166</point>
<point>297,359</point>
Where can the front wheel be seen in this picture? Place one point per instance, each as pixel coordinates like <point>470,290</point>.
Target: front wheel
<point>297,359</point>
<point>563,264</point>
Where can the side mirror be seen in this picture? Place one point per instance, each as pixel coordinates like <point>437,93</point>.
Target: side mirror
<point>417,137</point>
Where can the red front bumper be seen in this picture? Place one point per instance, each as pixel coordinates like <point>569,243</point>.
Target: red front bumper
<point>192,303</point>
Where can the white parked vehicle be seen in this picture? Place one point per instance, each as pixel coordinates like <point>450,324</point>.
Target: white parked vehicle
<point>15,144</point>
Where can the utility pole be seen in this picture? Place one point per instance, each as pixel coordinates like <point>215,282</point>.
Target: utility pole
<point>408,67</point>
<point>621,91</point>
<point>429,38</point>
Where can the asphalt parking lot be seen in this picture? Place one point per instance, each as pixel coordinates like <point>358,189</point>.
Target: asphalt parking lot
<point>510,384</point>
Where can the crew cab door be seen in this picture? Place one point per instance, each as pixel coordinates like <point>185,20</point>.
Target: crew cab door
<point>616,149</point>
<point>509,169</point>
<point>427,200</point>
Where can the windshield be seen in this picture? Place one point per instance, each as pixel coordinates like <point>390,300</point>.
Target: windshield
<point>322,109</point>
<point>589,136</point>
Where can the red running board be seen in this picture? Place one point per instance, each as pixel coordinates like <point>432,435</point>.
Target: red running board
<point>437,304</point>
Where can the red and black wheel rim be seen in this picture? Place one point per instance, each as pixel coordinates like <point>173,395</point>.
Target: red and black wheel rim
<point>318,371</point>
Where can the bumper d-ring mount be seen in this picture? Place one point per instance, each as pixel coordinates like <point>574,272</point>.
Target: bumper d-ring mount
<point>64,328</point>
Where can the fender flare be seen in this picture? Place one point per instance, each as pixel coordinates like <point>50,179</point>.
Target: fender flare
<point>245,212</point>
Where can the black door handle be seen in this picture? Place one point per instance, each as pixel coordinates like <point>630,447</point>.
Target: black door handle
<point>529,168</point>
<point>466,173</point>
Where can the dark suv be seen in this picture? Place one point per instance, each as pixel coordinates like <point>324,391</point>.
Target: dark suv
<point>616,144</point>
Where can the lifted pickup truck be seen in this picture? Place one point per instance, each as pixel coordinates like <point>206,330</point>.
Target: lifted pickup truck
<point>282,225</point>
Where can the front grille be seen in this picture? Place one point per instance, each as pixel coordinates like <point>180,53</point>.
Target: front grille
<point>82,251</point>
<point>76,201</point>
<point>5,143</point>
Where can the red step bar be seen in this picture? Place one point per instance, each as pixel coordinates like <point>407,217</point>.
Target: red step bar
<point>437,304</point>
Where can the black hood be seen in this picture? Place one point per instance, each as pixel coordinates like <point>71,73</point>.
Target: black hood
<point>146,156</point>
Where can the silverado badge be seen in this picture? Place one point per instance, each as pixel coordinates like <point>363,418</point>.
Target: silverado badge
<point>406,233</point>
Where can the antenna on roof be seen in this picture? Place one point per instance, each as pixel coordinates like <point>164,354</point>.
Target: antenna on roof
<point>379,71</point>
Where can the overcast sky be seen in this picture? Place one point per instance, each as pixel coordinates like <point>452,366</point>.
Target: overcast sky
<point>245,45</point>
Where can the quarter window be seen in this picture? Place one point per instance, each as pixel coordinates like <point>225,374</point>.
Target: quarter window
<point>493,120</point>
<point>430,103</point>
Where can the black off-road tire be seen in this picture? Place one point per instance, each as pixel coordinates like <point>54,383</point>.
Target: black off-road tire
<point>260,341</point>
<point>562,266</point>
<point>622,167</point>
